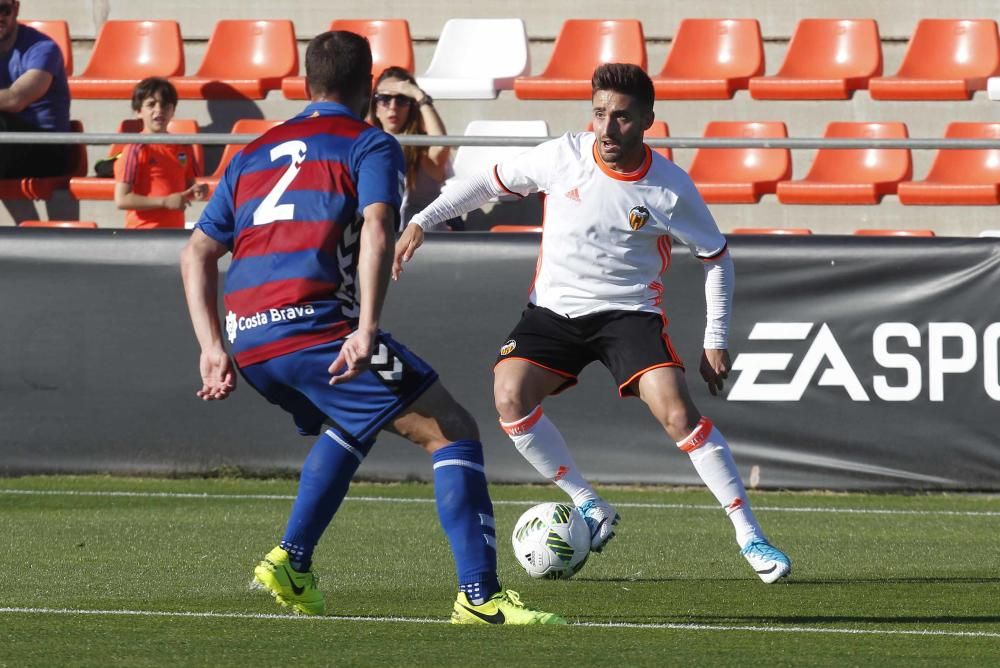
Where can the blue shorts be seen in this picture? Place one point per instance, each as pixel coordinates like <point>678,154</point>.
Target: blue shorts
<point>358,409</point>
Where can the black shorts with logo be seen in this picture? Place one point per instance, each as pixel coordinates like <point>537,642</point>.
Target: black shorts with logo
<point>628,343</point>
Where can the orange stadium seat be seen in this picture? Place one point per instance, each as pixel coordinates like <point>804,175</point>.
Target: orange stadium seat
<point>582,45</point>
<point>78,224</point>
<point>852,176</point>
<point>391,46</point>
<point>827,59</point>
<point>788,231</point>
<point>732,175</point>
<point>98,188</point>
<point>710,59</point>
<point>894,233</point>
<point>960,176</point>
<point>244,126</point>
<point>660,130</point>
<point>58,32</point>
<point>244,60</point>
<point>127,52</point>
<point>516,228</point>
<point>42,187</point>
<point>946,59</point>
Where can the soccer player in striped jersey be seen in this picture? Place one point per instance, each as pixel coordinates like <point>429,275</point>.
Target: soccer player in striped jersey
<point>308,211</point>
<point>613,210</point>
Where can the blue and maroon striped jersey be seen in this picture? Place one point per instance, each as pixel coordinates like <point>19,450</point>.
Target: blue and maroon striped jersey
<point>289,207</point>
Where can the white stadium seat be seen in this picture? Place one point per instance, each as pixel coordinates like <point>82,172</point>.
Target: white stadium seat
<point>477,58</point>
<point>993,88</point>
<point>472,160</point>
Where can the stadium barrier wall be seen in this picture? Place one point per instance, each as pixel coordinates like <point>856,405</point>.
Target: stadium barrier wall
<point>860,363</point>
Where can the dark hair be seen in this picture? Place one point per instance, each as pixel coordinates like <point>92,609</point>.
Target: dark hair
<point>414,124</point>
<point>624,78</point>
<point>338,62</point>
<point>151,87</point>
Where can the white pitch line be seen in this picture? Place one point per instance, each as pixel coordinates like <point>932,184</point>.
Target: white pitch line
<point>392,499</point>
<point>428,620</point>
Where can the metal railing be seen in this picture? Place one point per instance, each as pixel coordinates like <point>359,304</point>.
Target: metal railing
<point>216,139</point>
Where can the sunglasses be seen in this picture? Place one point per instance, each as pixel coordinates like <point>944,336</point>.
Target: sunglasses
<point>6,10</point>
<point>383,99</point>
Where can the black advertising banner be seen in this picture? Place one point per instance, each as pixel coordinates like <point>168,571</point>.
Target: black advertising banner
<point>868,362</point>
<point>859,363</point>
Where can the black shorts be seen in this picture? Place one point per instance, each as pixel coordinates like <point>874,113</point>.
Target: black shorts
<point>628,343</point>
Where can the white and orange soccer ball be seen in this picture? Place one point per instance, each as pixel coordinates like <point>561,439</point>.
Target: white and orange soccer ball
<point>551,540</point>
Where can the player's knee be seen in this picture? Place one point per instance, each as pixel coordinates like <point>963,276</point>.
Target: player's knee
<point>460,425</point>
<point>510,402</point>
<point>678,422</point>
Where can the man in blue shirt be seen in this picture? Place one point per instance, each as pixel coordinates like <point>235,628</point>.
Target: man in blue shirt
<point>308,211</point>
<point>34,97</point>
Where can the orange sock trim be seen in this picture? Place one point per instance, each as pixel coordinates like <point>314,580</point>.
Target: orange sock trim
<point>523,425</point>
<point>697,438</point>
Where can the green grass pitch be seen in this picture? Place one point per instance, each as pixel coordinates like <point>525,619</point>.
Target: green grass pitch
<point>109,571</point>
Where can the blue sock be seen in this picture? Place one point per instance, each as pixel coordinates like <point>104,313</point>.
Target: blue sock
<point>326,475</point>
<point>466,515</point>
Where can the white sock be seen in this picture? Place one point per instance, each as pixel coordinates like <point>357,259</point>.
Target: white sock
<point>713,461</point>
<point>539,442</point>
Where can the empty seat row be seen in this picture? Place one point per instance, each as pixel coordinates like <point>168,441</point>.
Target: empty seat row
<point>726,175</point>
<point>836,176</point>
<point>244,59</point>
<point>475,58</point>
<point>826,59</point>
<point>849,176</point>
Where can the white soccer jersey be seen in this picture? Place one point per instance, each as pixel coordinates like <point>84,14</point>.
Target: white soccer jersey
<point>607,236</point>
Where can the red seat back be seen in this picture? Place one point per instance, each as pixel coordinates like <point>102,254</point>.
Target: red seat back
<point>58,32</point>
<point>389,38</point>
<point>136,50</point>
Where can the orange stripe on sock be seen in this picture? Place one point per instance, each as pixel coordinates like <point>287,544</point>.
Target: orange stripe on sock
<point>697,438</point>
<point>523,425</point>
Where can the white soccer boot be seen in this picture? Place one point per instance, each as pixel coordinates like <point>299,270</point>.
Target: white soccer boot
<point>601,518</point>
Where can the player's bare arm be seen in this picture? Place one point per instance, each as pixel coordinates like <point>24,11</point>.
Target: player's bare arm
<point>200,271</point>
<point>374,265</point>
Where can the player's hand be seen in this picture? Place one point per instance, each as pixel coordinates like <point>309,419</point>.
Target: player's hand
<point>410,240</point>
<point>714,367</point>
<point>354,358</point>
<point>218,377</point>
<point>176,201</point>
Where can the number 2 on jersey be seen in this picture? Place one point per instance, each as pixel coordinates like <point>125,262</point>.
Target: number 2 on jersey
<point>269,210</point>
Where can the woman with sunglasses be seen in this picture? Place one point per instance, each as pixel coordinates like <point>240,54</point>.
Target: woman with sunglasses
<point>399,106</point>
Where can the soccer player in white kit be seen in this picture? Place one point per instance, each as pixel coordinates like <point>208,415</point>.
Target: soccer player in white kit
<point>612,212</point>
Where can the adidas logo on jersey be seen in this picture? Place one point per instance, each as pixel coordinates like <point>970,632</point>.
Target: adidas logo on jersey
<point>574,195</point>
